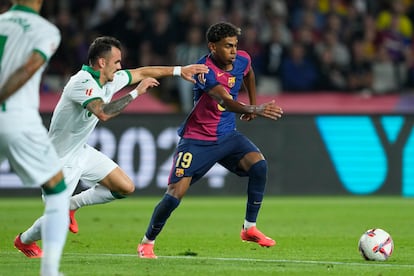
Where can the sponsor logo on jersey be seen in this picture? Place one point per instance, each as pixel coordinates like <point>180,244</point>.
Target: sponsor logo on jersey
<point>179,172</point>
<point>220,74</point>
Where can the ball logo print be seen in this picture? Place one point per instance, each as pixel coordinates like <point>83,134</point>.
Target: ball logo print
<point>376,245</point>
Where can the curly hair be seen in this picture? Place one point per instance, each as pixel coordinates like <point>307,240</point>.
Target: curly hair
<point>218,31</point>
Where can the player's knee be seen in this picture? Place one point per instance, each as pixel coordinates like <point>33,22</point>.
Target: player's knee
<point>125,190</point>
<point>258,170</point>
<point>129,189</point>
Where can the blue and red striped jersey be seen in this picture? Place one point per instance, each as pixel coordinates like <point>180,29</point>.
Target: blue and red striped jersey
<point>208,120</point>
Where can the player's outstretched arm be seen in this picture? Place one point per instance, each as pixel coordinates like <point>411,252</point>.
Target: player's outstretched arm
<point>268,110</point>
<point>185,72</point>
<point>21,76</point>
<point>107,111</point>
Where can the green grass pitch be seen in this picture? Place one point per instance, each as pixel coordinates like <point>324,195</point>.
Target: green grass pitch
<point>315,236</point>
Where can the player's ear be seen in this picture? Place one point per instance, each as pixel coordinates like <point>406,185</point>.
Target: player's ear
<point>101,62</point>
<point>212,47</point>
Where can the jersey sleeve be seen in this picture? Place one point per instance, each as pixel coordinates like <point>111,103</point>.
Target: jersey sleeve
<point>47,41</point>
<point>122,78</point>
<point>245,55</point>
<point>206,82</point>
<point>84,91</point>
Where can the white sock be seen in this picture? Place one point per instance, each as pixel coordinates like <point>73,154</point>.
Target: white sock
<point>146,240</point>
<point>248,224</point>
<point>97,194</point>
<point>34,233</point>
<point>54,231</point>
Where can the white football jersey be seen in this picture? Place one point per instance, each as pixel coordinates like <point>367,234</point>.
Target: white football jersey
<point>23,31</point>
<point>71,122</point>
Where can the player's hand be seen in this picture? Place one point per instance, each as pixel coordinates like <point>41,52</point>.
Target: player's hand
<point>269,110</point>
<point>247,117</point>
<point>146,84</point>
<point>187,72</point>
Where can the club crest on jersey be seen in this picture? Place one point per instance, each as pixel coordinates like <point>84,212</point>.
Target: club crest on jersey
<point>88,92</point>
<point>179,172</point>
<point>231,81</point>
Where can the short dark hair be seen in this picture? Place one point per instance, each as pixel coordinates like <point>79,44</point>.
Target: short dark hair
<point>101,46</point>
<point>218,31</point>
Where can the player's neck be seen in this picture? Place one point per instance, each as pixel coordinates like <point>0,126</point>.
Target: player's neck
<point>34,5</point>
<point>222,66</point>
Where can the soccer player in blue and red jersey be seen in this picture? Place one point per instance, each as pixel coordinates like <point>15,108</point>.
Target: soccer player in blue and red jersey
<point>209,135</point>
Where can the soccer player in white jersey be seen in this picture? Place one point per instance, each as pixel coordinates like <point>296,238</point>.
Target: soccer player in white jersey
<point>86,99</point>
<point>27,42</point>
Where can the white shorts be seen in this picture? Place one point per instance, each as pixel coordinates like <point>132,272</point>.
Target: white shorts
<point>30,154</point>
<point>89,165</point>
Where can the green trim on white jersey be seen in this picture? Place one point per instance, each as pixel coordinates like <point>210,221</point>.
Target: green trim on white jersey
<point>23,8</point>
<point>88,101</point>
<point>95,74</point>
<point>129,76</point>
<point>41,53</point>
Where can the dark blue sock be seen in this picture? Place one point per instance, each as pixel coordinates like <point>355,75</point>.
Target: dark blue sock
<point>255,189</point>
<point>160,215</point>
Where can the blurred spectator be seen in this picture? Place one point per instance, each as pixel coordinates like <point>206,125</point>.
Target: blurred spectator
<point>188,14</point>
<point>103,11</point>
<point>394,41</point>
<point>360,76</point>
<point>273,52</point>
<point>333,6</point>
<point>129,25</point>
<point>189,52</point>
<point>331,76</point>
<point>353,24</point>
<point>249,42</point>
<point>339,50</point>
<point>273,15</point>
<point>309,24</point>
<point>397,47</point>
<point>333,23</point>
<point>369,38</point>
<point>162,36</point>
<point>395,13</point>
<point>297,71</point>
<point>305,37</point>
<point>306,8</point>
<point>387,76</point>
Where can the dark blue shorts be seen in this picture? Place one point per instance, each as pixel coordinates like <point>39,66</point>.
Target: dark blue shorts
<point>194,157</point>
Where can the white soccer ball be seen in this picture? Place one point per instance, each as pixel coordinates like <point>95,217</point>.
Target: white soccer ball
<point>376,245</point>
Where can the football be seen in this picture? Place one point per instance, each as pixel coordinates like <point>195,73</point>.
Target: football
<point>376,245</point>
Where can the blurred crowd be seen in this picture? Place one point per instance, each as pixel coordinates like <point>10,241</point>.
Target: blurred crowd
<point>348,46</point>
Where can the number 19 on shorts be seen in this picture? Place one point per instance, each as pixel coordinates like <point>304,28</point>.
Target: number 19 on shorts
<point>184,160</point>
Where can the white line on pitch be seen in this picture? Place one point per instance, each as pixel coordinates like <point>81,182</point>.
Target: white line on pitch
<point>368,263</point>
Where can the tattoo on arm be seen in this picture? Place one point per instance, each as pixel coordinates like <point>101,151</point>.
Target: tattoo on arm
<point>253,109</point>
<point>115,107</point>
<point>99,108</point>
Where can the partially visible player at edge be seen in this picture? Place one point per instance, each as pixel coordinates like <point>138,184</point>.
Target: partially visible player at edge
<point>86,99</point>
<point>27,42</point>
<point>209,135</point>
